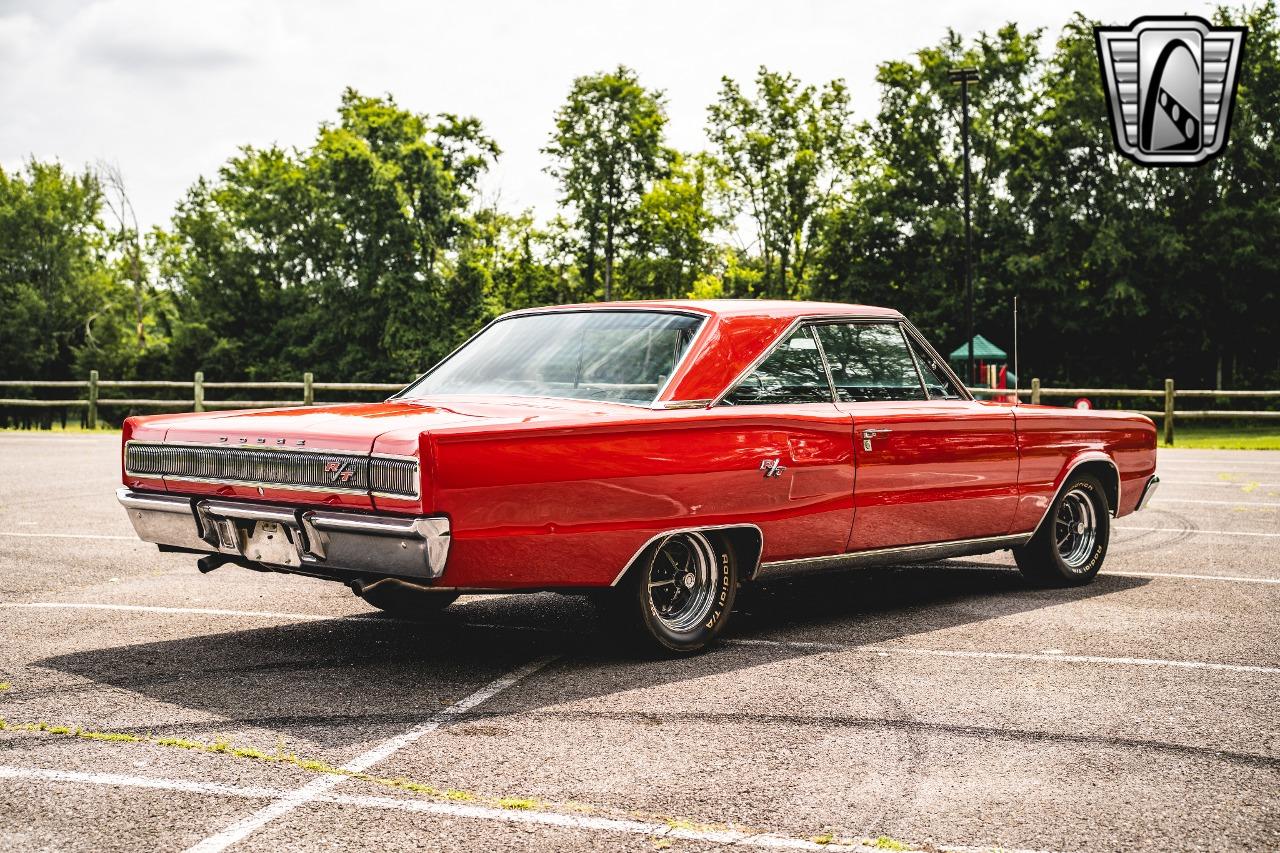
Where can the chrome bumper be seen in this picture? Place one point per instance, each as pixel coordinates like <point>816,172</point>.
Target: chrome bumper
<point>1147,491</point>
<point>290,537</point>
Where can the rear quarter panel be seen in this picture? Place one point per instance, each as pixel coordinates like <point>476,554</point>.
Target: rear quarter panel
<point>1053,440</point>
<point>571,506</point>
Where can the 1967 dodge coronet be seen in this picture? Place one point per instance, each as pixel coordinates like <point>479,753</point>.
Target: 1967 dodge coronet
<point>655,455</point>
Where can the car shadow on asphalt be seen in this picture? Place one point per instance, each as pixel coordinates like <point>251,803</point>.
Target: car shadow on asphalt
<point>339,681</point>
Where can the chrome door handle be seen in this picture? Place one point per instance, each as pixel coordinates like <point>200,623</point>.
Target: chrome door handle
<point>868,434</point>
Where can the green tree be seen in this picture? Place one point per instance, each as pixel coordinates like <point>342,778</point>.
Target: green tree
<point>607,151</point>
<point>53,270</point>
<point>339,258</point>
<point>673,233</point>
<point>785,155</point>
<point>897,236</point>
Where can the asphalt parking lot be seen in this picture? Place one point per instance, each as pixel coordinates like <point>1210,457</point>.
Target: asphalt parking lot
<point>946,707</point>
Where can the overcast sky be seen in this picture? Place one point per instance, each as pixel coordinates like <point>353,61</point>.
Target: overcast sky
<point>168,90</point>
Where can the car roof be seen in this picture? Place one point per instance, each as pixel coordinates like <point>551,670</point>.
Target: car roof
<point>735,333</point>
<point>780,309</point>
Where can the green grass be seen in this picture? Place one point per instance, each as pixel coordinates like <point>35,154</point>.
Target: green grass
<point>1254,435</point>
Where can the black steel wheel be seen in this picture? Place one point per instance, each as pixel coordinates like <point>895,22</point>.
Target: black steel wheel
<point>1071,543</point>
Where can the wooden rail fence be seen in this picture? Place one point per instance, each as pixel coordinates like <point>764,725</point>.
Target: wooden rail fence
<point>92,400</point>
<point>1168,394</point>
<point>198,402</point>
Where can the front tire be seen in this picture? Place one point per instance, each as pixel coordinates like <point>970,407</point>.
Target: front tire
<point>678,597</point>
<point>1071,543</point>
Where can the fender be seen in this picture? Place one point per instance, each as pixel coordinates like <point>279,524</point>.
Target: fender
<point>1069,468</point>
<point>748,528</point>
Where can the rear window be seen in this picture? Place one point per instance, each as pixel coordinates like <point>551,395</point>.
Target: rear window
<point>618,356</point>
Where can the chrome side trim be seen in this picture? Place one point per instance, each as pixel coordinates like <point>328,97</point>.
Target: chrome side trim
<point>904,554</point>
<point>665,533</point>
<point>1147,491</point>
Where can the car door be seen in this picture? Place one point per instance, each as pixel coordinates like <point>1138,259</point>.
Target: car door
<point>932,464</point>
<point>793,451</point>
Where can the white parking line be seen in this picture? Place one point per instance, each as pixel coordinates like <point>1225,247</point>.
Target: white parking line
<point>202,611</point>
<point>622,826</point>
<point>292,800</point>
<point>1234,578</point>
<point>1236,483</point>
<point>888,651</point>
<point>72,536</point>
<point>1163,500</point>
<point>213,611</point>
<point>1172,464</point>
<point>1181,530</point>
<point>59,439</point>
<point>124,781</point>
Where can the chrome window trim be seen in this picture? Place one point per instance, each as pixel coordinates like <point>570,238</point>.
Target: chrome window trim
<point>702,317</point>
<point>683,404</point>
<point>814,319</point>
<point>822,358</point>
<point>916,361</point>
<point>914,334</point>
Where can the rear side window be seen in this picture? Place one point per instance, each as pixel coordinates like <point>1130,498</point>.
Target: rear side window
<point>791,374</point>
<point>870,361</point>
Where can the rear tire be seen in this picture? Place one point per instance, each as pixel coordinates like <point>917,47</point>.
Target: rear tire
<point>678,596</point>
<point>406,601</point>
<point>1071,543</point>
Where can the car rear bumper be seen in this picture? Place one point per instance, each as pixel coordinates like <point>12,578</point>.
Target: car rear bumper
<point>292,537</point>
<point>1147,491</point>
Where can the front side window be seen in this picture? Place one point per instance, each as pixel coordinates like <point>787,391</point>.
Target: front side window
<point>936,380</point>
<point>618,356</point>
<point>870,362</point>
<point>791,374</point>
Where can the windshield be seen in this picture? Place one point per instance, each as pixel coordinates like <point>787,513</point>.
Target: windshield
<point>620,356</point>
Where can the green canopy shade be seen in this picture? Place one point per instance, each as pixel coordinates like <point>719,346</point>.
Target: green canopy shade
<point>983,350</point>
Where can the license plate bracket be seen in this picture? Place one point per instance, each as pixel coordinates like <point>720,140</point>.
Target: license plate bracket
<point>270,542</point>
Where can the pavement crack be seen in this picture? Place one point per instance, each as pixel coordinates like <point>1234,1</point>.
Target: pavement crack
<point>909,725</point>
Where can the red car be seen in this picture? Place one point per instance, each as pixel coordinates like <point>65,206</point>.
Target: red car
<point>655,455</point>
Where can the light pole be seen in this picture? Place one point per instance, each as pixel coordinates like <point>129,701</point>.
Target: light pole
<point>963,77</point>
